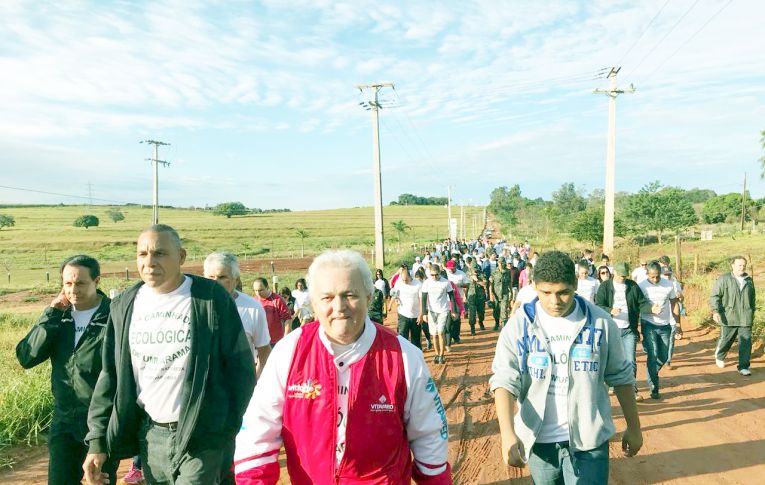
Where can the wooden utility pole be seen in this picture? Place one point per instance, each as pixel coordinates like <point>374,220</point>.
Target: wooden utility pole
<point>373,106</point>
<point>608,216</point>
<point>156,161</point>
<point>678,258</point>
<point>743,204</point>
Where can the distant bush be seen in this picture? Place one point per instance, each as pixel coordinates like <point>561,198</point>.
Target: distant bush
<point>115,215</point>
<point>7,221</point>
<point>86,221</point>
<point>229,209</point>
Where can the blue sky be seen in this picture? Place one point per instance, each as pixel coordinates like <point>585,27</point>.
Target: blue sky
<point>259,104</point>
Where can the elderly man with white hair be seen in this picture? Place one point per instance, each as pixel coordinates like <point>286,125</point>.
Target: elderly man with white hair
<point>348,399</point>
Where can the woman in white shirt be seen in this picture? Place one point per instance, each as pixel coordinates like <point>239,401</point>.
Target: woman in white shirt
<point>303,310</point>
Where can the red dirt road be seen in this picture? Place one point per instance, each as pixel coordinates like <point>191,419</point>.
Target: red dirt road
<point>709,428</point>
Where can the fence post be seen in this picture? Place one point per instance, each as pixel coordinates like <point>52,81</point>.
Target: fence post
<point>47,277</point>
<point>695,265</point>
<point>127,274</point>
<point>9,278</point>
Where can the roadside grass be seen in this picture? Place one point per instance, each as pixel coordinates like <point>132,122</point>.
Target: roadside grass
<point>26,402</point>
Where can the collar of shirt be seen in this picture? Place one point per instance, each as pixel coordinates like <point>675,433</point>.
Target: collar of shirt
<point>356,350</point>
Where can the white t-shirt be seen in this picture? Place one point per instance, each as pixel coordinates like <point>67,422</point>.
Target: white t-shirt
<point>741,281</point>
<point>342,353</point>
<point>459,278</point>
<point>526,294</point>
<point>408,295</point>
<point>559,333</point>
<point>438,294</point>
<point>81,320</point>
<point>639,274</point>
<point>302,303</point>
<point>620,301</point>
<point>254,321</point>
<point>160,343</point>
<point>587,287</point>
<point>659,294</point>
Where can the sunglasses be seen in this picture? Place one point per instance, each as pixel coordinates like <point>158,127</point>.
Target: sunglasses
<point>604,272</point>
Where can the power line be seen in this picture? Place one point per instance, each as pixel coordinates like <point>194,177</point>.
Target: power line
<point>663,38</point>
<point>23,189</point>
<point>641,35</point>
<point>687,41</point>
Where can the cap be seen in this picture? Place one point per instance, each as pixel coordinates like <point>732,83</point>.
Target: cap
<point>622,269</point>
<point>450,264</point>
<point>502,260</point>
<point>417,258</point>
<point>666,270</point>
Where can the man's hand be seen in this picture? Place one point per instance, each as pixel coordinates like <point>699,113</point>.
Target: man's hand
<point>656,309</point>
<point>92,469</point>
<point>632,441</point>
<point>512,452</point>
<point>61,302</point>
<point>615,312</point>
<point>424,317</point>
<point>717,318</point>
<point>678,333</point>
<point>454,315</point>
<point>419,320</point>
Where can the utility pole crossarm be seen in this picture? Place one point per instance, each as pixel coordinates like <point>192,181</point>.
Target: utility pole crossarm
<point>155,162</point>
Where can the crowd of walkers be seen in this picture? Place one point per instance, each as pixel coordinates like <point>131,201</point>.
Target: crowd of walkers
<point>200,383</point>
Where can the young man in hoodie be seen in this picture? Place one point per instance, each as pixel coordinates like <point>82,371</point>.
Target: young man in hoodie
<point>554,359</point>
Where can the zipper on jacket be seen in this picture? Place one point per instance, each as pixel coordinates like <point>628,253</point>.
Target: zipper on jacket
<point>333,387</point>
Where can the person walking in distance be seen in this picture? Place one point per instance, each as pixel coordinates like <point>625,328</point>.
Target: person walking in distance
<point>554,359</point>
<point>476,296</point>
<point>69,334</point>
<point>349,400</point>
<point>303,310</point>
<point>733,303</point>
<point>586,285</point>
<point>406,291</point>
<point>278,316</point>
<point>438,302</point>
<point>655,325</point>
<point>177,371</point>
<point>500,291</point>
<point>623,299</point>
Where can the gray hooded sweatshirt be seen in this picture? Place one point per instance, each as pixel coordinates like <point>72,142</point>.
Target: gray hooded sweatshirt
<point>523,366</point>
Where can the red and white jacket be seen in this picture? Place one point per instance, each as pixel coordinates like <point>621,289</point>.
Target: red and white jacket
<point>379,388</point>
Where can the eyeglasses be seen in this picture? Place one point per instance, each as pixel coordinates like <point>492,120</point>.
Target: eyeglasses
<point>604,272</point>
<point>433,274</point>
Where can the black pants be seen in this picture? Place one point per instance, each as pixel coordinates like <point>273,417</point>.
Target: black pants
<point>728,336</point>
<point>476,306</point>
<point>410,330</point>
<point>453,329</point>
<point>67,455</point>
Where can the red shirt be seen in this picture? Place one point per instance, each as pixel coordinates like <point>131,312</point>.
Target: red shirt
<point>276,313</point>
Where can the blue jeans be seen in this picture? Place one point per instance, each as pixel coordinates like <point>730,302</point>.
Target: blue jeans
<point>555,464</point>
<point>671,343</point>
<point>629,341</point>
<point>656,339</point>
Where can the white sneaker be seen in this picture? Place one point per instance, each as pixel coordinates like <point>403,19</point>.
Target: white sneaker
<point>745,372</point>
<point>720,363</point>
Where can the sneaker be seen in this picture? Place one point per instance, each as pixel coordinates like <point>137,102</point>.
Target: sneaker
<point>443,359</point>
<point>472,332</point>
<point>610,391</point>
<point>134,475</point>
<point>745,372</point>
<point>655,395</point>
<point>428,345</point>
<point>437,359</point>
<point>638,397</point>
<point>720,363</point>
<point>481,326</point>
<point>448,349</point>
<point>669,365</point>
<point>496,328</point>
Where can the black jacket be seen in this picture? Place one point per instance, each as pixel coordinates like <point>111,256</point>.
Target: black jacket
<point>220,378</point>
<point>636,301</point>
<point>74,370</point>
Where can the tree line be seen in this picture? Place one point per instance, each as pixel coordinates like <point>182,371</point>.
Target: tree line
<point>654,208</point>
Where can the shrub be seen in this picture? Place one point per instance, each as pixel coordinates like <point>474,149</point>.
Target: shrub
<point>86,221</point>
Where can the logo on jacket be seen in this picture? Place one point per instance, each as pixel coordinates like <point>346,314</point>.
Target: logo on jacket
<point>382,406</point>
<point>310,389</point>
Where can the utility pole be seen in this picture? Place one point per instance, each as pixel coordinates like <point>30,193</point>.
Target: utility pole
<point>608,215</point>
<point>373,106</point>
<point>743,204</point>
<point>90,193</point>
<point>462,219</point>
<point>156,161</point>
<point>449,212</point>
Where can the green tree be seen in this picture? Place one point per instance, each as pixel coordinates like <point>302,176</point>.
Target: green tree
<point>7,221</point>
<point>86,221</point>
<point>587,226</point>
<point>727,208</point>
<point>659,209</point>
<point>762,158</point>
<point>115,215</point>
<point>401,228</point>
<point>505,203</point>
<point>567,200</point>
<point>229,209</point>
<point>302,234</point>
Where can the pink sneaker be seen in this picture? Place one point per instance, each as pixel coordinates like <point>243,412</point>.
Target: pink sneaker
<point>134,475</point>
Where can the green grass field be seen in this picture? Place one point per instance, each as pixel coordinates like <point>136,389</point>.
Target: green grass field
<point>44,236</point>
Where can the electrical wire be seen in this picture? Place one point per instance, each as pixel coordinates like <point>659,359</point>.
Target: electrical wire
<point>650,75</point>
<point>664,37</point>
<point>66,195</point>
<point>642,34</point>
